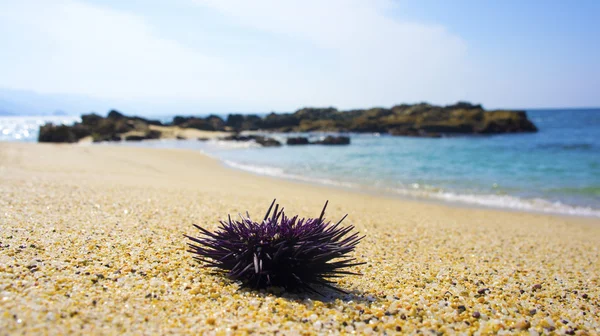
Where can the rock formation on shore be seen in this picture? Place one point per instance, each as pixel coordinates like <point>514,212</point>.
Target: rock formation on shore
<point>408,120</point>
<point>421,120</point>
<point>114,127</point>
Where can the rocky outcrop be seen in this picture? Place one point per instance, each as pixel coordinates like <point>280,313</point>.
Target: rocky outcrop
<point>210,123</point>
<point>56,133</point>
<point>114,127</point>
<point>422,120</point>
<point>241,122</point>
<point>267,142</point>
<point>418,120</point>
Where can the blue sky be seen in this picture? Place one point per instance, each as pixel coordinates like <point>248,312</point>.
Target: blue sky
<point>199,56</point>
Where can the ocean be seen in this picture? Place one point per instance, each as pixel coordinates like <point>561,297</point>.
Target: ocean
<point>556,170</point>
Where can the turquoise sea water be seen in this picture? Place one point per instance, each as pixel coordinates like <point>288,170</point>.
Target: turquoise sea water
<point>555,170</point>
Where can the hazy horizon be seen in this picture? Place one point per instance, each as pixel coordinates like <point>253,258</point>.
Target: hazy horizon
<point>65,107</point>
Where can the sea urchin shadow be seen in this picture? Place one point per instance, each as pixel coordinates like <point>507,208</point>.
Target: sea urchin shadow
<point>328,295</point>
<point>296,254</point>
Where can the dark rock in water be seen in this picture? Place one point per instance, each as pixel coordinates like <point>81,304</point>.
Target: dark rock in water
<point>259,139</point>
<point>267,142</point>
<point>505,122</point>
<point>203,139</point>
<point>179,137</point>
<point>334,140</point>
<point>238,137</point>
<point>293,141</point>
<point>56,133</point>
<point>135,138</point>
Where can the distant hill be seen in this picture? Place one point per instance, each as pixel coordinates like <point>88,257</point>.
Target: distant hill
<point>27,103</point>
<point>8,108</point>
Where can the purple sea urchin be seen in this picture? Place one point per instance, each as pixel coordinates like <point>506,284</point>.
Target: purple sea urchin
<point>279,251</point>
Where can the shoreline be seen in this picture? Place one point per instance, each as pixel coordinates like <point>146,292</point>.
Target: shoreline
<point>318,187</point>
<point>502,202</point>
<point>545,196</point>
<point>91,243</point>
<point>429,197</point>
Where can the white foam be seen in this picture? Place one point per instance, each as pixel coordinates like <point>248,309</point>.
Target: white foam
<point>226,144</point>
<point>428,192</point>
<point>517,203</point>
<point>278,172</point>
<point>270,171</point>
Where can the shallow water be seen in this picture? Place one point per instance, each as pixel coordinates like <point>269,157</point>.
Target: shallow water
<point>555,170</point>
<point>27,128</point>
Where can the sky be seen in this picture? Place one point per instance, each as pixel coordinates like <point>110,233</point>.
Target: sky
<point>202,56</point>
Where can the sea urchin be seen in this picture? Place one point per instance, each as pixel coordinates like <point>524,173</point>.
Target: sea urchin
<point>279,251</point>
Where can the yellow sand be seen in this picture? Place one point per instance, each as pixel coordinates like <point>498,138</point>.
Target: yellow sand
<point>91,243</point>
<point>171,132</point>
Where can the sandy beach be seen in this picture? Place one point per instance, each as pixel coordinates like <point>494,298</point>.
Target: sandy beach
<point>91,242</point>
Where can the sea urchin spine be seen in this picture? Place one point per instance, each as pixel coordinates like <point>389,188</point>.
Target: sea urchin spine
<point>279,251</point>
